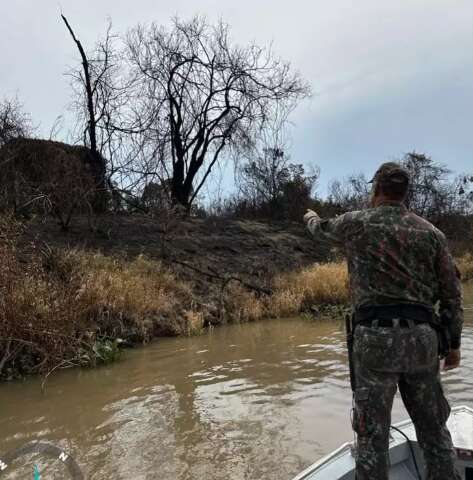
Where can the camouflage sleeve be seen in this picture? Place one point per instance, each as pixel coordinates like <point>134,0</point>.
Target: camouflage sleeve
<point>450,293</point>
<point>335,230</point>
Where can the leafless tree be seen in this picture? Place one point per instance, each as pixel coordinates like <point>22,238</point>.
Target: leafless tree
<point>99,98</point>
<point>14,122</point>
<point>350,193</point>
<point>89,90</point>
<point>269,184</point>
<point>107,118</point>
<point>427,178</point>
<point>432,191</point>
<point>435,194</point>
<point>198,96</point>
<point>261,179</point>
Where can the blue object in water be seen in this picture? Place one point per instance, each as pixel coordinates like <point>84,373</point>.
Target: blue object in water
<point>37,475</point>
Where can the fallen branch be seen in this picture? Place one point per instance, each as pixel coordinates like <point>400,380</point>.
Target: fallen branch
<point>223,278</point>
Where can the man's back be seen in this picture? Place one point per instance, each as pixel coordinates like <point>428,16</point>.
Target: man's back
<point>395,256</point>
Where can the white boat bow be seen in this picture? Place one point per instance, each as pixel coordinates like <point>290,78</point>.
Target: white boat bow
<point>340,464</point>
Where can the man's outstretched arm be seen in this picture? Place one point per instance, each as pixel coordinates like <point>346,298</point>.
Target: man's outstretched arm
<point>334,230</point>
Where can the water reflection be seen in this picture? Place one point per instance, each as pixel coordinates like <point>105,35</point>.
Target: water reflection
<point>253,401</point>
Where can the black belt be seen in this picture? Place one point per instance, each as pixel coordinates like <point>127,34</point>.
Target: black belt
<point>389,315</point>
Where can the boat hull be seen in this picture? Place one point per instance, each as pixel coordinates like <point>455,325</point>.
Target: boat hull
<point>340,464</point>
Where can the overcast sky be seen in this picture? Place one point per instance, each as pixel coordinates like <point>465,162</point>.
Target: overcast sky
<point>388,76</point>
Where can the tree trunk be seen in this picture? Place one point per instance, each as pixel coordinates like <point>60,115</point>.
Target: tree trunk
<point>97,161</point>
<point>180,191</point>
<point>180,194</point>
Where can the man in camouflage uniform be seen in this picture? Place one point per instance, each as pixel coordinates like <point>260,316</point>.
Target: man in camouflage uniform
<point>399,269</point>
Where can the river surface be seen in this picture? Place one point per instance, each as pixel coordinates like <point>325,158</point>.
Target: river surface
<point>254,401</point>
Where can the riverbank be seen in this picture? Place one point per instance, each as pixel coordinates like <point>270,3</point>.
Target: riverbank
<point>71,299</point>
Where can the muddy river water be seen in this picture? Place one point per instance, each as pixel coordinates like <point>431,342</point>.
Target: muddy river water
<point>255,401</point>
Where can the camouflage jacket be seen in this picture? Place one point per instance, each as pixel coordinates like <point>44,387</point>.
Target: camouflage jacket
<point>395,256</point>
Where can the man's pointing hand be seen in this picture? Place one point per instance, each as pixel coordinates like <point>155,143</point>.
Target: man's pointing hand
<point>310,214</point>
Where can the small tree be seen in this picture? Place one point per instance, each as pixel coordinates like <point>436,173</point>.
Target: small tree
<point>262,179</point>
<point>68,187</point>
<point>14,122</point>
<point>272,187</point>
<point>156,196</point>
<point>351,193</point>
<point>434,194</point>
<point>428,184</point>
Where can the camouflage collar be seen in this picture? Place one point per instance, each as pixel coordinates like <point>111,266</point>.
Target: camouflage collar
<point>392,203</point>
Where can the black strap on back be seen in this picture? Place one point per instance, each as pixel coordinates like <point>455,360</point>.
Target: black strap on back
<point>416,312</point>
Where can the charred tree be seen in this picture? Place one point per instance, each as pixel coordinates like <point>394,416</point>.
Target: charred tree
<point>199,96</point>
<point>97,160</point>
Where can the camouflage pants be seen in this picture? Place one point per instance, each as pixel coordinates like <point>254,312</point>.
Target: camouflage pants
<point>387,358</point>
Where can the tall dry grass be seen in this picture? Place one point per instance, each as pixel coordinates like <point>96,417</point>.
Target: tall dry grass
<point>241,305</point>
<point>465,265</point>
<point>68,307</point>
<point>138,298</point>
<point>293,293</point>
<point>320,284</point>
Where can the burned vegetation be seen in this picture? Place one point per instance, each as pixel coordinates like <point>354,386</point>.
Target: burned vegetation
<point>43,176</point>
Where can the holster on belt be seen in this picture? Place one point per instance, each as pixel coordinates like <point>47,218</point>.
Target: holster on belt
<point>443,336</point>
<point>349,318</point>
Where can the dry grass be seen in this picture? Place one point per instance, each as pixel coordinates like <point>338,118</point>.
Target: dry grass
<point>465,265</point>
<point>293,293</point>
<point>62,306</point>
<point>39,325</point>
<point>241,305</point>
<point>140,295</point>
<point>321,284</point>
